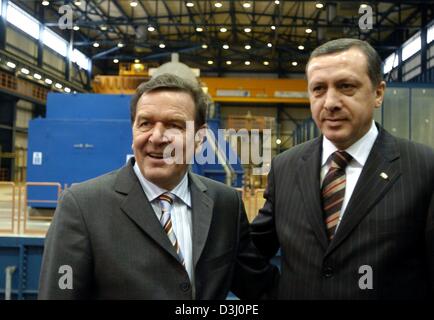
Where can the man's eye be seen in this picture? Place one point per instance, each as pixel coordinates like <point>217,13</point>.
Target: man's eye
<point>144,124</point>
<point>318,89</point>
<point>347,86</point>
<point>176,126</point>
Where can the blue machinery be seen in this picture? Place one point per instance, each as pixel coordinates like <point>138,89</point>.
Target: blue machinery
<point>20,259</point>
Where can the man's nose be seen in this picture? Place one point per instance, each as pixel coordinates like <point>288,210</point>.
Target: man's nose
<point>332,100</point>
<point>158,134</point>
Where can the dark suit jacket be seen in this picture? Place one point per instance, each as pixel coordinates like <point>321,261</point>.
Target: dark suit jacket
<point>107,231</point>
<point>388,225</point>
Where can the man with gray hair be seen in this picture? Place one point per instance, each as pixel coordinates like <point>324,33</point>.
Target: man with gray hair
<point>152,229</point>
<point>352,210</point>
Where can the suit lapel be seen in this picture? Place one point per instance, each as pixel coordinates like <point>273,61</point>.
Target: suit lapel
<point>308,180</point>
<point>371,185</point>
<point>202,208</point>
<point>137,207</point>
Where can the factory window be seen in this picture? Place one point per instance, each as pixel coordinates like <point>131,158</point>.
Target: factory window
<point>22,21</point>
<point>411,47</point>
<point>430,34</point>
<point>390,63</point>
<point>80,59</point>
<point>55,42</point>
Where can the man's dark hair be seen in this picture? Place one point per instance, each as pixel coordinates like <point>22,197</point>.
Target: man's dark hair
<point>172,82</point>
<point>373,60</point>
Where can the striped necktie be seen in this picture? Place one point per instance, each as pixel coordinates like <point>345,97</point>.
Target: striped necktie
<point>166,202</point>
<point>333,190</point>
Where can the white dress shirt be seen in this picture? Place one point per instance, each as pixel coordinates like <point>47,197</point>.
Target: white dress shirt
<point>180,214</point>
<point>359,151</point>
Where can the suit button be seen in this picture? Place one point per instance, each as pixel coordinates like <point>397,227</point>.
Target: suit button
<point>185,286</point>
<point>328,272</point>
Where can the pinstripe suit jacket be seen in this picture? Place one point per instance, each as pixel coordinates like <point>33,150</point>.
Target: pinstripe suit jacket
<point>388,225</point>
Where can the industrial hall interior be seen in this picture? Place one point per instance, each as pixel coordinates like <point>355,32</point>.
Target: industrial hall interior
<point>70,68</point>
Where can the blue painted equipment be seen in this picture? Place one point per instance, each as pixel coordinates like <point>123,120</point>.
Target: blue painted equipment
<point>22,257</point>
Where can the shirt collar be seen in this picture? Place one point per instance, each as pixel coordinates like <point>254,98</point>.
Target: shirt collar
<point>152,191</point>
<point>359,150</point>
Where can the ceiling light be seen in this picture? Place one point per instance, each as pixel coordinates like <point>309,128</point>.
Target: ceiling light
<point>210,62</point>
<point>115,60</point>
<point>266,63</point>
<point>11,65</point>
<point>136,61</point>
<point>319,5</point>
<point>204,46</point>
<point>67,90</point>
<point>96,44</point>
<point>277,2</point>
<point>189,4</point>
<point>76,28</point>
<point>199,29</point>
<point>58,85</point>
<point>218,4</point>
<point>269,44</point>
<point>37,76</point>
<point>45,3</point>
<point>273,27</point>
<point>247,30</point>
<point>278,141</point>
<point>229,62</point>
<point>225,46</point>
<point>294,63</point>
<point>300,47</point>
<point>77,3</point>
<point>247,63</point>
<point>162,45</point>
<point>247,47</point>
<point>151,29</point>
<point>103,28</point>
<point>247,5</point>
<point>363,6</point>
<point>121,45</point>
<point>308,30</point>
<point>223,29</point>
<point>133,4</point>
<point>48,81</point>
<point>25,71</point>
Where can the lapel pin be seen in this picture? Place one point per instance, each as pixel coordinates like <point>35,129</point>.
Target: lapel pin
<point>384,176</point>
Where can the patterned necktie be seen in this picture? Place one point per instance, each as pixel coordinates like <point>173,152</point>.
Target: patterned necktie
<point>166,202</point>
<point>333,190</point>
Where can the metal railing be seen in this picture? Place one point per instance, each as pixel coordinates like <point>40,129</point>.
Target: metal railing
<point>15,217</point>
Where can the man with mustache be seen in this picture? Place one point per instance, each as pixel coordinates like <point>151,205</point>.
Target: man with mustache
<point>152,229</point>
<point>352,210</point>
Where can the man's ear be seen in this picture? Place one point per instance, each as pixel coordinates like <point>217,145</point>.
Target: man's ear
<point>379,94</point>
<point>200,136</point>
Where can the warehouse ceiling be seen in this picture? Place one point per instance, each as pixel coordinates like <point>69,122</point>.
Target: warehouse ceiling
<point>227,36</point>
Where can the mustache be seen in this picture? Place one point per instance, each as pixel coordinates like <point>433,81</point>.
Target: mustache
<point>333,116</point>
